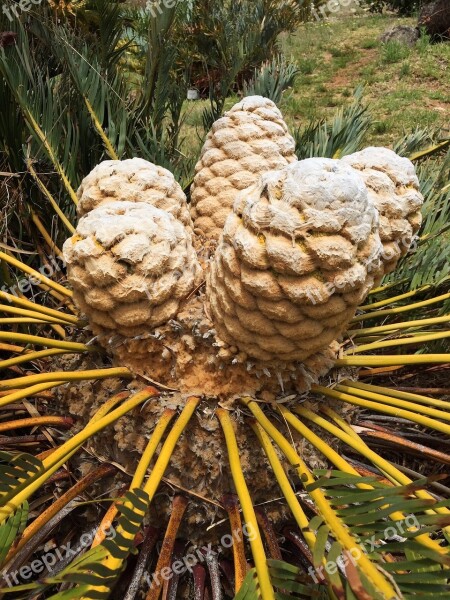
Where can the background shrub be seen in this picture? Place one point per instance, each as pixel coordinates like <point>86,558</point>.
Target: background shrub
<point>403,7</point>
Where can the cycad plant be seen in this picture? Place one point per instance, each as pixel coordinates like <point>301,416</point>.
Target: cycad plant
<point>164,460</point>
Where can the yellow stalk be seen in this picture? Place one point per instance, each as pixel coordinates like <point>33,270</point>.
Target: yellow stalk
<point>345,466</point>
<point>32,314</point>
<point>56,163</point>
<point>286,488</point>
<point>43,341</point>
<point>416,334</point>
<point>401,309</point>
<point>169,446</point>
<point>340,422</point>
<point>392,360</point>
<point>106,142</point>
<point>49,197</point>
<point>21,321</point>
<point>47,237</point>
<point>320,444</point>
<point>388,286</point>
<point>384,408</point>
<point>58,330</point>
<point>415,339</point>
<point>431,150</point>
<point>28,392</point>
<point>62,454</point>
<point>259,555</point>
<point>139,475</point>
<point>60,289</point>
<point>32,306</point>
<point>376,305</point>
<point>17,360</point>
<point>340,531</point>
<point>29,380</point>
<point>402,395</point>
<point>110,404</point>
<point>12,348</point>
<point>354,441</point>
<point>395,326</point>
<point>154,479</point>
<point>397,402</point>
<point>158,432</point>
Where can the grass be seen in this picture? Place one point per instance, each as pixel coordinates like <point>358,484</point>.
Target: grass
<point>405,87</point>
<point>307,66</point>
<point>394,52</point>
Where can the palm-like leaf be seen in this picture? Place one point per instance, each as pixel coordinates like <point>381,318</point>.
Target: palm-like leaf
<point>272,79</point>
<point>343,135</point>
<point>428,263</point>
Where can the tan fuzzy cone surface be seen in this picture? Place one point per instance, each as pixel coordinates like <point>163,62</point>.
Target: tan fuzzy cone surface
<point>394,189</point>
<point>250,139</point>
<point>130,266</point>
<point>133,180</point>
<point>299,253</point>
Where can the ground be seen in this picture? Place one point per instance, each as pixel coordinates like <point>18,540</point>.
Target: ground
<point>404,87</point>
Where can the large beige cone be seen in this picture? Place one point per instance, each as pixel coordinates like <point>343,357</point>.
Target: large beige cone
<point>299,253</point>
<point>394,189</point>
<point>133,180</point>
<point>130,266</point>
<point>249,140</point>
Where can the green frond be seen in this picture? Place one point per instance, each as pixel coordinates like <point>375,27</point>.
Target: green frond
<point>360,510</point>
<point>44,107</point>
<point>341,533</point>
<point>96,571</point>
<point>16,471</point>
<point>90,573</point>
<point>343,135</point>
<point>42,471</point>
<point>272,79</point>
<point>415,141</point>
<point>103,92</point>
<point>12,529</point>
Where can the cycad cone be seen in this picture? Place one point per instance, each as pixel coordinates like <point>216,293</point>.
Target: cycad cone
<point>298,254</point>
<point>249,140</point>
<point>131,262</point>
<point>393,187</point>
<point>300,247</point>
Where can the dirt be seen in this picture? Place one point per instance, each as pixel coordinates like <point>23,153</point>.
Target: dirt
<point>352,71</point>
<point>436,105</point>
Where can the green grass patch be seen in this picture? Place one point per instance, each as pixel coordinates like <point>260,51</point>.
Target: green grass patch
<point>369,44</point>
<point>307,66</point>
<point>394,52</point>
<point>405,87</point>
